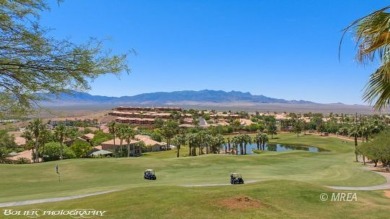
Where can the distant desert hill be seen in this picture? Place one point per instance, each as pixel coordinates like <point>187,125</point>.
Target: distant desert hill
<point>204,99</point>
<point>164,98</point>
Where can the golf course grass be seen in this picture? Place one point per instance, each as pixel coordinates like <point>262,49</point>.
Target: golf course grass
<point>282,184</point>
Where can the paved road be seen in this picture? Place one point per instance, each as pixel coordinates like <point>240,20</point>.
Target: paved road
<point>38,201</point>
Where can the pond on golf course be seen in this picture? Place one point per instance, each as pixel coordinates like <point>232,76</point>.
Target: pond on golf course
<point>279,148</point>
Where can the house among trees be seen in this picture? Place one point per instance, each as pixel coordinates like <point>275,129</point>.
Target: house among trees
<point>151,144</point>
<point>88,137</point>
<point>135,148</point>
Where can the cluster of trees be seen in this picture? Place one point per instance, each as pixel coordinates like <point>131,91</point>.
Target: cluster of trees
<point>358,127</point>
<point>7,145</point>
<point>377,149</point>
<point>50,144</point>
<point>124,133</point>
<point>203,140</point>
<point>45,144</point>
<point>199,140</point>
<point>335,124</point>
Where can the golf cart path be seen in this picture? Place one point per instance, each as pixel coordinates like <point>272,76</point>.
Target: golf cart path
<point>217,184</point>
<point>384,186</point>
<point>46,200</point>
<point>367,188</point>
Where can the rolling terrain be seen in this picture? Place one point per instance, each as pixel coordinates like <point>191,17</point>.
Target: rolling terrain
<point>285,184</point>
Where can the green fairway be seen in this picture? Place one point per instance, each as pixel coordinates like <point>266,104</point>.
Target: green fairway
<point>285,184</point>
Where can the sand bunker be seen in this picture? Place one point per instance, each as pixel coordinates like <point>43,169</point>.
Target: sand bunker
<point>387,193</point>
<point>240,202</point>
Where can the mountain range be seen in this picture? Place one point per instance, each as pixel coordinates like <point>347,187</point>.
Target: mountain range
<point>166,98</point>
<point>203,99</point>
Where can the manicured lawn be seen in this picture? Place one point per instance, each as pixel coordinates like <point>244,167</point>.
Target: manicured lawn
<point>286,184</point>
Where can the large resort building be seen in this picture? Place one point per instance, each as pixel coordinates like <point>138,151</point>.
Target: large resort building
<point>147,116</point>
<point>144,115</point>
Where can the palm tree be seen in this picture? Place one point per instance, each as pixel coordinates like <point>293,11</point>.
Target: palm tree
<point>169,130</point>
<point>113,129</point>
<point>35,134</point>
<point>228,144</point>
<point>271,128</point>
<point>208,142</point>
<point>202,139</point>
<point>60,133</point>
<point>128,135</point>
<point>372,34</point>
<point>366,130</point>
<point>236,142</point>
<point>192,141</point>
<point>355,132</point>
<point>179,140</point>
<point>216,142</point>
<point>121,133</point>
<point>258,140</point>
<point>264,140</point>
<point>246,139</point>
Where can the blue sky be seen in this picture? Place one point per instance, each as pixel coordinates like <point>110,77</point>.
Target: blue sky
<point>278,48</point>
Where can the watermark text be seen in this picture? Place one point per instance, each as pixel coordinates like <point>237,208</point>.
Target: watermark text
<point>339,197</point>
<point>35,213</point>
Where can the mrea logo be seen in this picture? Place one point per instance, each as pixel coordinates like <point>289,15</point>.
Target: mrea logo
<point>343,197</point>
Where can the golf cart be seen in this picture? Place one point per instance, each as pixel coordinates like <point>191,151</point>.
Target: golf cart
<point>149,174</point>
<point>236,178</point>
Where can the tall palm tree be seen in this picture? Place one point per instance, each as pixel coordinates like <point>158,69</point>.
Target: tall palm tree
<point>192,142</point>
<point>201,137</point>
<point>257,139</point>
<point>246,139</point>
<point>208,142</point>
<point>264,140</point>
<point>113,129</point>
<point>60,133</point>
<point>271,129</point>
<point>169,130</point>
<point>121,134</point>
<point>35,133</point>
<point>355,132</point>
<point>128,135</point>
<point>216,142</point>
<point>179,140</point>
<point>372,33</point>
<point>237,144</point>
<point>366,130</point>
<point>228,144</point>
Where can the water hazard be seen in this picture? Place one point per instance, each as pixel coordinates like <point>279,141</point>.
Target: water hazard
<point>278,148</point>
